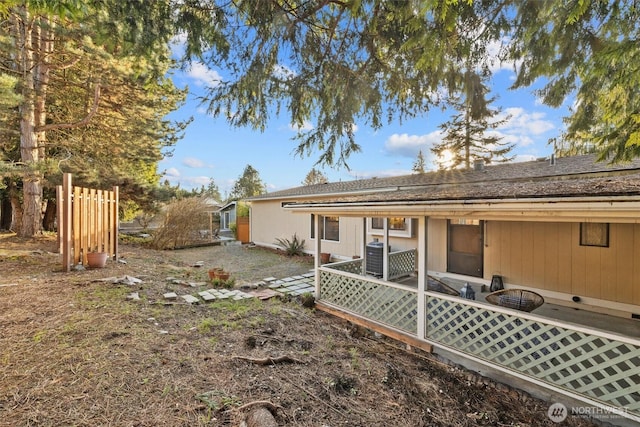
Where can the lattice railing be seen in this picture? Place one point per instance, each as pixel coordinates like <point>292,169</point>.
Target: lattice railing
<point>600,366</point>
<point>402,263</point>
<point>352,266</point>
<point>373,299</point>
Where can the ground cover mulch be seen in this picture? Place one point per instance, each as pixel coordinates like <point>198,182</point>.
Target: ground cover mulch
<point>76,351</point>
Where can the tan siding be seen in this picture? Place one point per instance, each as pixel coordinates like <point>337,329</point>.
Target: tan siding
<point>636,266</point>
<point>503,254</point>
<point>551,251</point>
<point>526,245</point>
<point>437,245</point>
<point>516,258</point>
<point>592,279</point>
<point>270,221</point>
<point>549,256</point>
<point>608,270</point>
<point>538,258</point>
<point>565,251</point>
<point>578,263</point>
<point>622,237</point>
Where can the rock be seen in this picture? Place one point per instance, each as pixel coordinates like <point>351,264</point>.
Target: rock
<point>190,299</point>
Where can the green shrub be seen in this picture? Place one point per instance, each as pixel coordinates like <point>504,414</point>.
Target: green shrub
<point>292,247</point>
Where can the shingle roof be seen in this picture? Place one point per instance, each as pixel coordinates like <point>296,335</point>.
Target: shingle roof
<point>567,176</point>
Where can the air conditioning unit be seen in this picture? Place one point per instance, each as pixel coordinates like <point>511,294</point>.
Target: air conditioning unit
<point>375,252</point>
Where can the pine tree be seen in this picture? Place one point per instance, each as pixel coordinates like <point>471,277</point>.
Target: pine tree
<point>248,185</point>
<point>315,177</point>
<point>467,139</point>
<point>419,164</point>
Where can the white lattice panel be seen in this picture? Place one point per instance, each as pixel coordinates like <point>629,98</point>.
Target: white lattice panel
<point>402,263</point>
<point>353,266</point>
<point>599,367</point>
<point>385,304</point>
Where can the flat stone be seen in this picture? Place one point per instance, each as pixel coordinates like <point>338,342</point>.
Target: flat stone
<point>170,295</point>
<point>264,294</point>
<point>207,296</point>
<point>190,299</point>
<point>133,296</point>
<point>269,279</point>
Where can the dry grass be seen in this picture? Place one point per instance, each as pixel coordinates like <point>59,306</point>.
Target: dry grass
<point>76,352</point>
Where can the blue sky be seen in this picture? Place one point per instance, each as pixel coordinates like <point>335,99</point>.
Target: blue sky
<point>212,149</point>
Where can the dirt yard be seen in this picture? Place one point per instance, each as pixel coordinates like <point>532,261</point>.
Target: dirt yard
<point>76,351</point>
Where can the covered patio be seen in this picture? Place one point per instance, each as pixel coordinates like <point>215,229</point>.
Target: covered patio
<point>587,356</point>
<point>567,230</point>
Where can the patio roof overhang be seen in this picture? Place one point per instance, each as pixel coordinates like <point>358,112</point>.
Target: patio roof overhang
<point>623,209</point>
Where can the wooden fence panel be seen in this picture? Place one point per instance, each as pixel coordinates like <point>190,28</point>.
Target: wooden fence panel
<point>242,229</point>
<point>87,222</point>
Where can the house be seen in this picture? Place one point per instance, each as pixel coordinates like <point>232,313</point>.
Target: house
<point>565,228</point>
<point>228,215</point>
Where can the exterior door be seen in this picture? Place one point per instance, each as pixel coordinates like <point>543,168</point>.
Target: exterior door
<point>226,218</point>
<point>465,247</point>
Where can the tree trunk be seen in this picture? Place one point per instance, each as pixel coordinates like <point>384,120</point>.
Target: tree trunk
<point>6,212</point>
<point>16,208</point>
<point>29,39</point>
<point>49,220</point>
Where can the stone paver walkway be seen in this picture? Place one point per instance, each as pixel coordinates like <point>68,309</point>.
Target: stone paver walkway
<point>266,288</point>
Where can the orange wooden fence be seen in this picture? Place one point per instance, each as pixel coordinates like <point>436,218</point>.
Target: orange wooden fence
<point>87,222</point>
<point>242,227</point>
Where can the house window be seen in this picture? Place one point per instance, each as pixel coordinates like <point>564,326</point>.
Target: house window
<point>329,228</point>
<point>594,234</point>
<point>398,226</point>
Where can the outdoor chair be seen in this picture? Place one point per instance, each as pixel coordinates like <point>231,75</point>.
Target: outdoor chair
<point>518,299</point>
<point>436,285</point>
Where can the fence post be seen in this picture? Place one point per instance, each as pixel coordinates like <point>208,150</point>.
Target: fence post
<point>115,226</point>
<point>65,222</point>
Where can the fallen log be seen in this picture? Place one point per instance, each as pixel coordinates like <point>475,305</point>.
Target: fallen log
<point>268,360</point>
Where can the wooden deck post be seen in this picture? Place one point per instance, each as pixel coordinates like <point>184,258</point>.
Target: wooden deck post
<point>316,261</point>
<point>423,270</point>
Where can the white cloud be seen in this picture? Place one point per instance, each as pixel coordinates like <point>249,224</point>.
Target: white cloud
<point>176,45</point>
<point>172,172</point>
<point>307,125</point>
<point>203,75</point>
<point>283,72</point>
<point>384,173</point>
<point>524,158</point>
<point>527,123</point>
<point>409,145</point>
<point>192,162</point>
